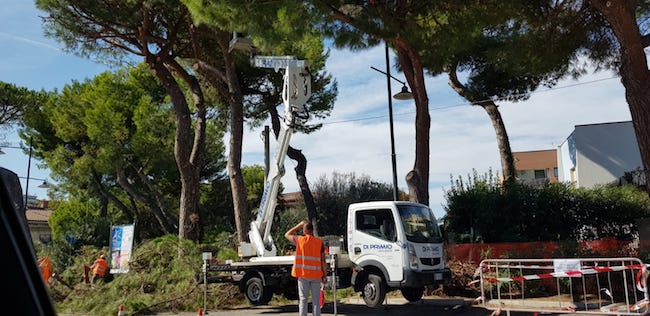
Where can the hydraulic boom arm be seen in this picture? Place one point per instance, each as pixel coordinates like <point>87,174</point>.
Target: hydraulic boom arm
<point>296,91</point>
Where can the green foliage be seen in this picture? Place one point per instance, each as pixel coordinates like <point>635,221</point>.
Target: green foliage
<point>276,28</point>
<point>479,207</point>
<point>466,200</point>
<point>227,254</point>
<point>78,223</point>
<point>611,211</point>
<point>216,213</point>
<point>107,127</point>
<point>162,276</point>
<point>498,45</point>
<point>284,220</point>
<point>254,181</point>
<point>17,101</point>
<point>335,194</point>
<point>112,139</point>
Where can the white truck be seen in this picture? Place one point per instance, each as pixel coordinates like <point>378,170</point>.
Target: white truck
<point>390,244</point>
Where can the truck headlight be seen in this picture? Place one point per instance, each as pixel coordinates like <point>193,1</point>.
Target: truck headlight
<point>413,258</point>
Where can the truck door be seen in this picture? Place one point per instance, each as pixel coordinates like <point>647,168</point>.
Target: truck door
<point>375,239</point>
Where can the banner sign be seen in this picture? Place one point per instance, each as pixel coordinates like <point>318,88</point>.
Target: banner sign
<point>121,247</point>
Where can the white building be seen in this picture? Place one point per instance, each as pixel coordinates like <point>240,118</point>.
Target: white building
<point>598,154</point>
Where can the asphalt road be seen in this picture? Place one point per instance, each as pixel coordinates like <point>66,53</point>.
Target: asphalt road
<point>394,307</point>
<point>425,308</point>
<point>352,307</point>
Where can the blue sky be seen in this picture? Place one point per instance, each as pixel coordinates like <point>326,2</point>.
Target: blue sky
<point>28,59</point>
<point>355,138</point>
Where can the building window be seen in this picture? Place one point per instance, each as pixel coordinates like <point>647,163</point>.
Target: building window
<point>555,172</point>
<point>540,174</point>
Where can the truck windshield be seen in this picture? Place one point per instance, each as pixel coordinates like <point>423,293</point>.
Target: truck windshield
<point>419,224</point>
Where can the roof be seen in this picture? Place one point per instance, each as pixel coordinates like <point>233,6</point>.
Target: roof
<point>603,123</point>
<point>591,125</point>
<point>35,215</point>
<point>539,159</point>
<point>291,199</point>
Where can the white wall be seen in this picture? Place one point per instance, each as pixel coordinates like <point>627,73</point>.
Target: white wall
<point>564,161</point>
<point>604,152</point>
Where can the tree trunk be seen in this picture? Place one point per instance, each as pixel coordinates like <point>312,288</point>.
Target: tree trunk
<point>503,142</point>
<point>301,170</point>
<point>195,158</point>
<point>507,160</point>
<point>188,150</point>
<point>418,178</point>
<point>634,72</point>
<point>235,102</point>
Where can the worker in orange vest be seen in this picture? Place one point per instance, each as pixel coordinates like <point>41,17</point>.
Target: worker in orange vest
<point>99,268</point>
<point>309,266</point>
<point>45,264</point>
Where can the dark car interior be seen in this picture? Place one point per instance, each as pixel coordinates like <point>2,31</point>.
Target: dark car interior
<point>24,292</point>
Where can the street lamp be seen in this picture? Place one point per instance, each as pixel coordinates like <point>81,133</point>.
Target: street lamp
<point>43,185</point>
<point>29,167</point>
<point>402,95</point>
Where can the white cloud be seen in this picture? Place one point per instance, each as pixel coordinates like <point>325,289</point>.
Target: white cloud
<point>34,43</point>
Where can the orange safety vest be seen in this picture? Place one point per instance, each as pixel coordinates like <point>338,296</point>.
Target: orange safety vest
<point>307,263</point>
<point>46,268</point>
<point>100,266</point>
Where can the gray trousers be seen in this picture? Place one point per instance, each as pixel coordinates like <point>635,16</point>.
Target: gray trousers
<point>304,287</point>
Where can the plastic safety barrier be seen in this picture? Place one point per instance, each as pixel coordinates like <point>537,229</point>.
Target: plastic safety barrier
<point>604,286</point>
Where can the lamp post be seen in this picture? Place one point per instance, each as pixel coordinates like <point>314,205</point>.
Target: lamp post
<point>29,168</point>
<point>402,95</point>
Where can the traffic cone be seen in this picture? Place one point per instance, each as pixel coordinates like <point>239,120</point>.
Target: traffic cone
<point>120,312</point>
<point>322,296</point>
<point>200,312</point>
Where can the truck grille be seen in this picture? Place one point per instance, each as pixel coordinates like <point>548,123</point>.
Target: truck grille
<point>430,261</point>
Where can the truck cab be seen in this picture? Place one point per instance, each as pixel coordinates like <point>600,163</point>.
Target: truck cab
<point>394,245</point>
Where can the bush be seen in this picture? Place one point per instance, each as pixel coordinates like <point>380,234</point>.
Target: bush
<point>479,209</point>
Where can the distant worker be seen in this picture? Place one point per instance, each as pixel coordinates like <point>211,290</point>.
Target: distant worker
<point>45,264</point>
<point>99,268</point>
<point>308,267</point>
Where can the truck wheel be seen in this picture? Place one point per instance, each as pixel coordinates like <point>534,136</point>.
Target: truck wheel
<point>257,293</point>
<point>412,294</point>
<point>374,291</point>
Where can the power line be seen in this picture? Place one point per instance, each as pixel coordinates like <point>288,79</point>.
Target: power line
<point>469,103</point>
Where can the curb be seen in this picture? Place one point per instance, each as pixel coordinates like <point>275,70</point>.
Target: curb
<point>443,302</point>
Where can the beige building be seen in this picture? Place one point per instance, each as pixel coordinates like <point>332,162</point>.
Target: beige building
<point>536,166</point>
<point>37,220</point>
